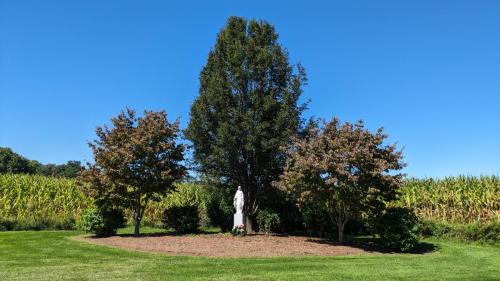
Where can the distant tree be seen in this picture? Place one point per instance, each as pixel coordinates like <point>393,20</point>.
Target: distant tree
<point>48,169</point>
<point>344,168</point>
<point>247,109</point>
<point>68,170</point>
<point>136,161</point>
<point>71,169</point>
<point>11,162</point>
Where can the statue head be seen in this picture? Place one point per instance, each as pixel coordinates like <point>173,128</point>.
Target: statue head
<point>239,187</point>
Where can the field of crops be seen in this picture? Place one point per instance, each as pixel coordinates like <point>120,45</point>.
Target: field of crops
<point>34,197</point>
<point>454,199</point>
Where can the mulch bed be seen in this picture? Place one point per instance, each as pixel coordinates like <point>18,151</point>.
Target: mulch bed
<point>226,245</point>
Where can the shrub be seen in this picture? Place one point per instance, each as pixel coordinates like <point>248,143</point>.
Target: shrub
<point>7,224</point>
<point>66,223</point>
<point>102,222</point>
<point>184,219</point>
<point>267,220</point>
<point>315,220</point>
<point>219,211</point>
<point>474,232</point>
<point>398,229</point>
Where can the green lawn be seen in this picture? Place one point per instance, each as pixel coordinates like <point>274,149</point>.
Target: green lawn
<point>52,255</point>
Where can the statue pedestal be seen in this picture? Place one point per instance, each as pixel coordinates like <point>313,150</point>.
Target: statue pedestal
<point>238,219</point>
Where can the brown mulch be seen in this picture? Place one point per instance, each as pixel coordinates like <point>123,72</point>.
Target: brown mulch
<point>226,245</point>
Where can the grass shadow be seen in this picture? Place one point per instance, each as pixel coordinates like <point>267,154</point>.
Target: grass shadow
<point>371,244</point>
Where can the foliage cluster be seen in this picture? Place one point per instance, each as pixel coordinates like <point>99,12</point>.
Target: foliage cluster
<point>182,218</point>
<point>461,199</point>
<point>214,207</point>
<point>219,209</point>
<point>474,232</point>
<point>102,222</point>
<point>397,228</point>
<point>315,219</point>
<point>267,220</point>
<point>37,223</point>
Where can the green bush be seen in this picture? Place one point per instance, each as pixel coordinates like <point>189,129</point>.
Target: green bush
<point>7,224</point>
<point>315,220</point>
<point>220,211</point>
<point>102,222</point>
<point>184,219</point>
<point>397,228</point>
<point>474,232</point>
<point>267,220</point>
<point>67,223</point>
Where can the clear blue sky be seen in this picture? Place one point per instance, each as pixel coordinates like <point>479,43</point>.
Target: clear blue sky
<point>428,71</point>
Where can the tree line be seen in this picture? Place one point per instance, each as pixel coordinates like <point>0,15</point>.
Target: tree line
<point>14,163</point>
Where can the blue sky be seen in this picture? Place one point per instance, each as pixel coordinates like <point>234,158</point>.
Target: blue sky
<point>428,71</point>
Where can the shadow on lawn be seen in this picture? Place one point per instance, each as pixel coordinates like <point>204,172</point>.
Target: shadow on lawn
<point>373,245</point>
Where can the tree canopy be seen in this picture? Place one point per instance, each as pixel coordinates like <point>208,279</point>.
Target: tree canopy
<point>136,160</point>
<point>247,109</point>
<point>345,168</point>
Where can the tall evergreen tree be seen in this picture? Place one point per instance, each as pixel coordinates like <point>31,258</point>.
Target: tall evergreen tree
<point>247,109</point>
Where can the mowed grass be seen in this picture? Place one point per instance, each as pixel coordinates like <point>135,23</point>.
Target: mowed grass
<point>53,255</point>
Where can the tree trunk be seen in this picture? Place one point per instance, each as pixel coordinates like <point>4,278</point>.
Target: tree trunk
<point>340,227</point>
<point>137,215</point>
<point>137,227</point>
<point>248,224</point>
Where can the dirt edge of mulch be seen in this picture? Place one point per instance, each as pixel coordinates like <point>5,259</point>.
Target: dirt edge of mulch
<point>226,245</point>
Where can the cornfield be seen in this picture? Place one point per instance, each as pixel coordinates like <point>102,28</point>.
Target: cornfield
<point>41,197</point>
<point>33,196</point>
<point>454,199</point>
<point>459,199</point>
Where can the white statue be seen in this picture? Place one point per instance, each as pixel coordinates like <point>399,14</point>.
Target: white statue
<point>239,201</point>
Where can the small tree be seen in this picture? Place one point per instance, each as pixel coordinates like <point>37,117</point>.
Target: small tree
<point>345,168</point>
<point>136,161</point>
